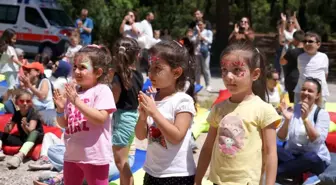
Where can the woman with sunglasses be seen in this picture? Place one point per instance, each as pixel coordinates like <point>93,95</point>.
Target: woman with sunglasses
<point>304,131</point>
<point>242,31</point>
<point>287,29</point>
<point>274,89</point>
<point>29,125</point>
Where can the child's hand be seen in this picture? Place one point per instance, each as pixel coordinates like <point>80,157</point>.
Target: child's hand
<point>59,100</point>
<point>147,104</point>
<point>24,121</point>
<point>71,92</point>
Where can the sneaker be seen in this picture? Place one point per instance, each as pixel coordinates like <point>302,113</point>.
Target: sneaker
<point>2,155</point>
<point>209,89</point>
<point>15,161</point>
<point>312,180</point>
<point>42,164</point>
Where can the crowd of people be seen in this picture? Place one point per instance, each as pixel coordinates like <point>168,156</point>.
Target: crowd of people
<point>100,106</point>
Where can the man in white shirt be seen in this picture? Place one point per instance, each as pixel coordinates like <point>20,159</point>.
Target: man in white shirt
<point>146,24</point>
<point>129,27</point>
<point>146,39</point>
<point>313,63</point>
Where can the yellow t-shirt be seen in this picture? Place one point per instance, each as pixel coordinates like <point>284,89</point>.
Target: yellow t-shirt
<point>237,152</point>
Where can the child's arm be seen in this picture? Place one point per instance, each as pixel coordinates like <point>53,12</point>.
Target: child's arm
<point>60,102</point>
<point>174,133</point>
<point>28,127</point>
<point>116,90</point>
<point>141,126</point>
<point>93,115</point>
<point>271,158</point>
<point>205,156</point>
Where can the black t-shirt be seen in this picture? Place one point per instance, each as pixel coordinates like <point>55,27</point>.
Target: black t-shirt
<point>31,115</point>
<point>128,99</point>
<point>291,71</point>
<point>193,24</point>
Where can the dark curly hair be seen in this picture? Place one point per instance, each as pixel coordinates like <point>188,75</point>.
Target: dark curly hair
<point>177,55</point>
<point>125,52</point>
<point>100,57</point>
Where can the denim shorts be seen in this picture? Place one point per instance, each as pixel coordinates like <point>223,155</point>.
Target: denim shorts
<point>124,122</point>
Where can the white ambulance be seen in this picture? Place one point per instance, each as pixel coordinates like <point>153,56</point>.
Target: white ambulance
<point>41,25</point>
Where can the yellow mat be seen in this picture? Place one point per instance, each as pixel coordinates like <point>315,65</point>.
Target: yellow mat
<point>200,124</point>
<point>2,77</point>
<point>139,175</point>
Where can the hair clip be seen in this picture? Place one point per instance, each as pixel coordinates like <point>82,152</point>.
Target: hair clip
<point>122,48</point>
<point>94,46</point>
<point>181,42</point>
<point>178,43</point>
<point>257,50</point>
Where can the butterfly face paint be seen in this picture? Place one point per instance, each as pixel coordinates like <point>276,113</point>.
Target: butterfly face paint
<point>84,61</point>
<point>238,68</point>
<point>153,59</point>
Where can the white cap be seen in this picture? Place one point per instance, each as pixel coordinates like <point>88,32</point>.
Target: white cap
<point>19,51</point>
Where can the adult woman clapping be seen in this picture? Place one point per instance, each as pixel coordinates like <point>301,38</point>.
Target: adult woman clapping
<point>242,31</point>
<point>305,131</point>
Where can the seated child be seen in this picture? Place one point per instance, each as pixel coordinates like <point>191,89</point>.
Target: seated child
<point>29,126</point>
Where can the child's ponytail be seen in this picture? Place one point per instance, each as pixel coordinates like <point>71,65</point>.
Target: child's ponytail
<point>259,87</point>
<point>125,53</point>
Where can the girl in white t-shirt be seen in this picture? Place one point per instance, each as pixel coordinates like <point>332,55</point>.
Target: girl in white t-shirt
<point>9,63</point>
<point>166,117</point>
<point>73,48</point>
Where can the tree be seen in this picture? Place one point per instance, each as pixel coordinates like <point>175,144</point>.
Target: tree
<point>222,33</point>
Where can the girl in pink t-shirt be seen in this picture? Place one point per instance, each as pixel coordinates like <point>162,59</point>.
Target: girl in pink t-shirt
<point>85,113</point>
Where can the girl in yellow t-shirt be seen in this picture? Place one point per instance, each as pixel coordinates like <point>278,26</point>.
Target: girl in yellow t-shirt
<point>241,143</point>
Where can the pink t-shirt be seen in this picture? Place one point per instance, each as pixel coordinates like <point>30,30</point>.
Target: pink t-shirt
<point>86,142</point>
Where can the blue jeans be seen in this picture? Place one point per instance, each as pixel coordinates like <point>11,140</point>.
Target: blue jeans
<point>56,157</point>
<point>292,165</point>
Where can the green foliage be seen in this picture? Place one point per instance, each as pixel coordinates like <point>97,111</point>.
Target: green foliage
<point>175,15</point>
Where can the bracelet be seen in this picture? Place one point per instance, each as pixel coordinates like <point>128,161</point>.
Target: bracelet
<point>59,114</point>
<point>305,120</point>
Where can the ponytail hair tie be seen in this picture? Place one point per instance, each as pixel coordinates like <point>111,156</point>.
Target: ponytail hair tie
<point>122,49</point>
<point>94,46</point>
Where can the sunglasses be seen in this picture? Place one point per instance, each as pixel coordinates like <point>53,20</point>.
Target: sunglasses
<point>309,41</point>
<point>24,101</point>
<point>243,21</point>
<point>314,79</point>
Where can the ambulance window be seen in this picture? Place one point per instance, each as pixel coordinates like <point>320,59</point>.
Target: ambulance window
<point>9,14</point>
<point>33,17</point>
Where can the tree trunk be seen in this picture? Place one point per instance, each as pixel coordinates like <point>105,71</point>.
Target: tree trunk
<point>272,7</point>
<point>285,2</point>
<point>222,31</point>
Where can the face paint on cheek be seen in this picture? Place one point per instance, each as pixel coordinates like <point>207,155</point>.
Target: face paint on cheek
<point>87,63</point>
